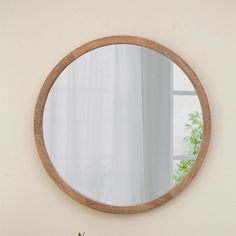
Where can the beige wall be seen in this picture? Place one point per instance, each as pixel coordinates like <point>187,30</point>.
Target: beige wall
<point>36,34</point>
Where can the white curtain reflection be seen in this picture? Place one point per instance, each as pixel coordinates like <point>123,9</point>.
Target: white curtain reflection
<point>107,124</point>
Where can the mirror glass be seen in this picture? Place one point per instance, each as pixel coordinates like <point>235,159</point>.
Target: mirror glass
<point>122,125</point>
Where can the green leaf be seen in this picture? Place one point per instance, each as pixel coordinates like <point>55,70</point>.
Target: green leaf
<point>193,141</point>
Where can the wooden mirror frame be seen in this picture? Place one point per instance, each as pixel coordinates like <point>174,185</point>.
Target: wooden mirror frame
<point>38,117</point>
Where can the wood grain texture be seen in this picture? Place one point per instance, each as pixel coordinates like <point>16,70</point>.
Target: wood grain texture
<point>38,116</point>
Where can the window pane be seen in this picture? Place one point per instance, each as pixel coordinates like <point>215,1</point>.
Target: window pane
<point>182,106</point>
<point>180,80</point>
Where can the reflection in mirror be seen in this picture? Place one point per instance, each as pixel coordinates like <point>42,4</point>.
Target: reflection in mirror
<point>122,125</point>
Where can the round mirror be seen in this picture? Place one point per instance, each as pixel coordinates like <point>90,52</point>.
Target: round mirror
<point>122,124</point>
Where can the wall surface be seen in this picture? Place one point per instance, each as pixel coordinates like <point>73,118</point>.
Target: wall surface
<point>35,35</point>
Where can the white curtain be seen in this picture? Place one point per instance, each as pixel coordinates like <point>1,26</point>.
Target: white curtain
<point>106,124</point>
